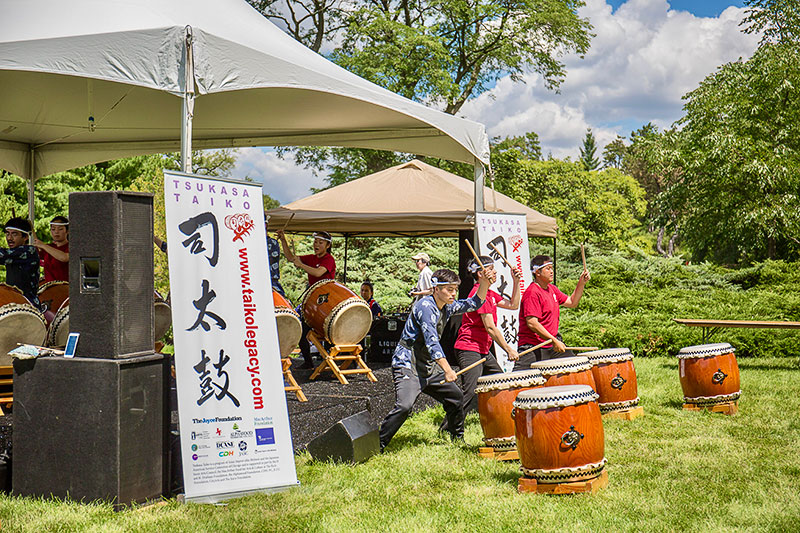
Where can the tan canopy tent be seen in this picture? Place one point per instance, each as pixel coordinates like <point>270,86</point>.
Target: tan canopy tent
<point>412,199</point>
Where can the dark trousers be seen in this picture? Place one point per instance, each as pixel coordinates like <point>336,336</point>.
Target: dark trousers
<point>305,347</point>
<point>469,379</point>
<point>407,387</point>
<point>542,354</point>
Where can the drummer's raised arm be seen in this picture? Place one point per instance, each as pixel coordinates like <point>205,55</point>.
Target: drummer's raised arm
<point>287,252</point>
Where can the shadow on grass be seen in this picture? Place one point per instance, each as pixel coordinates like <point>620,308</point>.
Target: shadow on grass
<point>673,404</point>
<point>407,440</point>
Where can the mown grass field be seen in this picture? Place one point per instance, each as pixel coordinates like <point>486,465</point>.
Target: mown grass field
<point>670,470</point>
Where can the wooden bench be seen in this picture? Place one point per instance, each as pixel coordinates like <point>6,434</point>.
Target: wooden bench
<point>710,327</point>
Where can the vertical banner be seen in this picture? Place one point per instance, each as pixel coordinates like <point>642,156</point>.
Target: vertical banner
<point>234,422</point>
<point>509,234</point>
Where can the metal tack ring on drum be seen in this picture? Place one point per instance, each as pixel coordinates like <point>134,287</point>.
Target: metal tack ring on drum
<point>563,365</point>
<point>711,400</point>
<point>511,380</point>
<point>609,355</point>
<point>499,443</point>
<point>558,475</point>
<point>560,396</point>
<point>705,350</point>
<point>617,406</point>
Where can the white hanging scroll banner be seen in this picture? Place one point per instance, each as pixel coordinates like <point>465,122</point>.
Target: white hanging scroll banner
<point>234,424</point>
<point>508,233</point>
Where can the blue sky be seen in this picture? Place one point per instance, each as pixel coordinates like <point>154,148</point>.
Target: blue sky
<point>645,56</point>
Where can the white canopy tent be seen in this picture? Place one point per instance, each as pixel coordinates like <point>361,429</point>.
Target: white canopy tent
<point>91,80</point>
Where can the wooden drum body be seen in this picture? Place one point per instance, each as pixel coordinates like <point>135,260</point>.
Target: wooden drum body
<point>559,433</point>
<point>162,317</point>
<point>336,313</point>
<point>58,331</point>
<point>615,378</point>
<point>20,322</point>
<point>709,374</point>
<point>289,327</point>
<point>52,294</point>
<point>566,371</point>
<point>496,395</point>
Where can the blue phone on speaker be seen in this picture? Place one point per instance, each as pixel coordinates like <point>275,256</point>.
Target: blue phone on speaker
<point>72,342</point>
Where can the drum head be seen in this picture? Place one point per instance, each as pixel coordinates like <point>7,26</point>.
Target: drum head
<point>561,396</point>
<point>510,380</point>
<point>705,350</point>
<point>609,355</point>
<point>58,333</point>
<point>162,315</point>
<point>289,330</point>
<point>563,365</point>
<point>349,322</point>
<point>19,323</point>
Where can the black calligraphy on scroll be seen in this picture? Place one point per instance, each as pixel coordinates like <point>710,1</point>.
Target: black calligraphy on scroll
<point>192,227</point>
<point>201,304</point>
<point>207,384</point>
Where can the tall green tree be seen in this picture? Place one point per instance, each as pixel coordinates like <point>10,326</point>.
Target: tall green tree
<point>614,152</point>
<point>588,151</point>
<point>527,146</point>
<point>441,52</point>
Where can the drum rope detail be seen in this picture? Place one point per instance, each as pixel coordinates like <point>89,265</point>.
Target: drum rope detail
<point>571,438</point>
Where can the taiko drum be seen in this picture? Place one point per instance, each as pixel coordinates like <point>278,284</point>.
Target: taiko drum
<point>52,294</point>
<point>336,313</point>
<point>615,378</point>
<point>20,322</point>
<point>709,374</point>
<point>58,331</point>
<point>566,371</point>
<point>162,316</point>
<point>559,433</point>
<point>496,395</point>
<point>290,329</point>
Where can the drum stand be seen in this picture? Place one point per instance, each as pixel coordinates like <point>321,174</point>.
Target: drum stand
<point>6,393</point>
<point>346,353</point>
<point>725,408</point>
<point>591,486</point>
<point>286,363</point>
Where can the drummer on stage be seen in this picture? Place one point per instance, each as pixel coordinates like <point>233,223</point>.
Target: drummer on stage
<point>419,363</point>
<point>319,265</point>
<point>21,259</point>
<point>539,314</point>
<point>55,259</point>
<point>479,329</point>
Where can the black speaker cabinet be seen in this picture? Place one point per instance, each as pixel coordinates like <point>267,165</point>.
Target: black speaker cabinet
<point>111,273</point>
<point>91,429</point>
<point>351,440</point>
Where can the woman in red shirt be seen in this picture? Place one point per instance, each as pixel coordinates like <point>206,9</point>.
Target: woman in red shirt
<point>55,258</point>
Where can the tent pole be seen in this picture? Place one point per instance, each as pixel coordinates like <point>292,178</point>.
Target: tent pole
<point>187,111</point>
<point>345,259</point>
<point>554,261</point>
<point>480,173</point>
<point>31,184</point>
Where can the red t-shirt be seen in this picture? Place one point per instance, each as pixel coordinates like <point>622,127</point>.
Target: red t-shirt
<point>326,261</point>
<point>472,336</point>
<point>55,270</point>
<point>542,304</point>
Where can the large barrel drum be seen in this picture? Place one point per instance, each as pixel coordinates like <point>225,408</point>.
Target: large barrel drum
<point>289,327</point>
<point>575,370</point>
<point>162,316</point>
<point>496,395</point>
<point>52,294</point>
<point>336,313</point>
<point>615,378</point>
<point>559,433</point>
<point>58,330</point>
<point>709,374</point>
<point>20,322</point>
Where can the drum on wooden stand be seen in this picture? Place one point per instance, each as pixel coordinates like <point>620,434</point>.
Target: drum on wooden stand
<point>20,322</point>
<point>709,374</point>
<point>52,294</point>
<point>566,371</point>
<point>615,378</point>
<point>496,395</point>
<point>288,322</point>
<point>336,313</point>
<point>162,316</point>
<point>559,434</point>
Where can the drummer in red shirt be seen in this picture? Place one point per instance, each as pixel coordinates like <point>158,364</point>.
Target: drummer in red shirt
<point>539,313</point>
<point>479,329</point>
<point>55,258</point>
<point>319,265</point>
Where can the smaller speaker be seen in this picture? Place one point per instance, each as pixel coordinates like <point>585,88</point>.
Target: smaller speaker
<point>351,440</point>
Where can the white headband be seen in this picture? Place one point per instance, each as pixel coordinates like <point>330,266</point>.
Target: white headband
<point>538,268</point>
<point>474,266</point>
<point>59,223</point>
<point>436,282</point>
<point>17,229</point>
<point>321,237</point>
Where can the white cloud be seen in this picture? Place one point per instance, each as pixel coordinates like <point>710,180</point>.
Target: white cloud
<point>281,178</point>
<point>644,58</point>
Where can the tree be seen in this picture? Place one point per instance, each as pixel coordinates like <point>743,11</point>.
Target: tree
<point>588,150</point>
<point>778,21</point>
<point>527,146</point>
<point>614,152</point>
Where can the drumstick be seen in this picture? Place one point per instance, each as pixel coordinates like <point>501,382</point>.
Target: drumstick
<point>529,350</point>
<point>493,247</point>
<point>471,249</point>
<point>292,216</point>
<point>473,365</point>
<point>583,257</point>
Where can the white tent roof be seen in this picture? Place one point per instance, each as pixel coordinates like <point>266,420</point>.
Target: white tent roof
<point>121,62</point>
<point>409,199</point>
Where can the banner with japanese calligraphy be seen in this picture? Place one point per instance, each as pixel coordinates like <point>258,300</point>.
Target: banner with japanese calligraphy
<point>508,233</point>
<point>234,423</point>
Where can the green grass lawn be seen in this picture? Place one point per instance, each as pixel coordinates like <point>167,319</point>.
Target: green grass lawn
<point>670,470</point>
